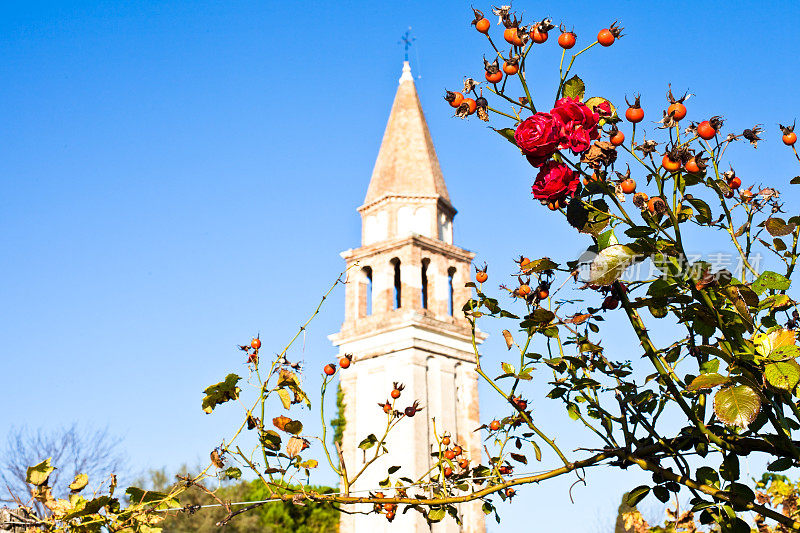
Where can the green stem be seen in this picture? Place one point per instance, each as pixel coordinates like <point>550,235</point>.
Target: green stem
<point>325,430</point>
<point>524,415</point>
<point>504,114</point>
<point>652,354</point>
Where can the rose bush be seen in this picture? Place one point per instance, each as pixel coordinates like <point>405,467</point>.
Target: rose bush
<point>683,407</point>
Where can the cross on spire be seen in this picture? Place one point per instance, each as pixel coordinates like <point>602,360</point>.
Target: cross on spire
<point>406,40</point>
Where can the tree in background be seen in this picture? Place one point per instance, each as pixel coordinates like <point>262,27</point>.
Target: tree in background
<point>276,517</point>
<point>339,422</point>
<point>75,449</point>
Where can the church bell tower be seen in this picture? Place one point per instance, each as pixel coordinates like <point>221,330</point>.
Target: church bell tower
<point>403,322</point>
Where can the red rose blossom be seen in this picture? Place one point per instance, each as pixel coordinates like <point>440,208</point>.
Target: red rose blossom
<point>580,124</point>
<point>538,137</point>
<point>579,141</point>
<point>554,181</point>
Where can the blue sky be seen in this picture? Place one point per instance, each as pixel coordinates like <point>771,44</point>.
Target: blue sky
<point>176,177</point>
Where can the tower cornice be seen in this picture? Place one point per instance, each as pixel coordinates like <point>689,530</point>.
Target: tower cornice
<point>445,205</point>
<point>424,243</point>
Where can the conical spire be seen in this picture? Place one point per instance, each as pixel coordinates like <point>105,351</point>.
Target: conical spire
<point>407,164</point>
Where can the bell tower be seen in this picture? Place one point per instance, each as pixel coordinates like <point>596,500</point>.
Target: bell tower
<point>403,321</point>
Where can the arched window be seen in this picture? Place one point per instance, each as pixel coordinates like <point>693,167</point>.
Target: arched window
<point>365,292</point>
<point>424,296</point>
<point>397,302</point>
<point>451,274</point>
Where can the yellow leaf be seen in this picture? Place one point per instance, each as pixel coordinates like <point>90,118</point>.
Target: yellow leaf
<point>59,507</point>
<point>766,343</point>
<point>286,399</point>
<point>38,474</point>
<point>81,480</point>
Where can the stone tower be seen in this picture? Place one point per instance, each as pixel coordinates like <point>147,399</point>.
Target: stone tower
<point>403,321</point>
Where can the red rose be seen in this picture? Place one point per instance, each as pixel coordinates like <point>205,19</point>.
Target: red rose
<point>538,137</point>
<point>554,181</point>
<point>580,124</point>
<point>579,141</point>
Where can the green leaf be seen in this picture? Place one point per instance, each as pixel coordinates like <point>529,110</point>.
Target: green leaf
<point>38,474</point>
<point>81,480</point>
<point>541,315</point>
<point>221,392</point>
<point>770,280</point>
<point>393,469</point>
<point>86,508</point>
<point>233,473</point>
<point>638,232</point>
<point>368,442</point>
<point>436,515</point>
<point>541,265</point>
<point>783,375</point>
<point>139,496</point>
<point>784,463</point>
<point>637,495</point>
<point>606,239</point>
<point>518,457</point>
<point>311,463</point>
<point>596,220</point>
<point>735,525</point>
<point>574,87</point>
<point>658,312</point>
<point>707,476</point>
<point>737,405</point>
<point>703,211</point>
<point>573,411</point>
<point>661,493</point>
<point>730,467</point>
<point>784,353</point>
<point>710,366</point>
<point>777,227</point>
<point>609,265</point>
<point>776,301</point>
<point>507,368</point>
<point>295,427</point>
<point>743,491</point>
<point>508,134</point>
<point>707,381</point>
<point>271,440</point>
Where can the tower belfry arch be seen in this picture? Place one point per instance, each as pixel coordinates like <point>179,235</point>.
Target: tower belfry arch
<point>403,320</point>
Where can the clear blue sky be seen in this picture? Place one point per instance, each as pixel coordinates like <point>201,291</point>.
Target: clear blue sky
<point>176,177</point>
